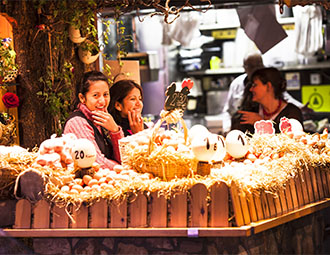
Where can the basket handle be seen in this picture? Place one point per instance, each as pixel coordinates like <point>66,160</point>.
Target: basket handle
<point>156,128</point>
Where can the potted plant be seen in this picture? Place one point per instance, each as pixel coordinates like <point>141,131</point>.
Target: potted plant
<point>8,67</point>
<point>88,51</point>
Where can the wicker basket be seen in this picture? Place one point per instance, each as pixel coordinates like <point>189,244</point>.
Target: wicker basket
<point>165,169</point>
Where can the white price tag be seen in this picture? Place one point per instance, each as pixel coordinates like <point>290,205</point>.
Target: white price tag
<point>192,232</point>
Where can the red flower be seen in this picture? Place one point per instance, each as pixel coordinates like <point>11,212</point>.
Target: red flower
<point>10,100</point>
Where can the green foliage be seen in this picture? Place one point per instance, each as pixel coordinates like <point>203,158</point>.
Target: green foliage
<point>7,58</point>
<point>57,92</point>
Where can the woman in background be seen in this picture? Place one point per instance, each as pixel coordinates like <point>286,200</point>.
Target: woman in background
<point>267,90</point>
<point>126,106</point>
<point>91,120</point>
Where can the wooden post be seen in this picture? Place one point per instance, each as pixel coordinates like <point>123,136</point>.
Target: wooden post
<point>265,206</point>
<point>178,211</point>
<point>118,214</point>
<point>198,206</point>
<point>319,182</point>
<point>60,218</point>
<point>294,193</point>
<point>304,187</point>
<point>259,208</point>
<point>23,214</point>
<point>236,205</point>
<point>314,184</point>
<point>309,184</point>
<point>99,214</point>
<point>324,182</point>
<point>41,213</point>
<point>80,216</point>
<point>283,201</point>
<point>158,211</point>
<point>252,207</point>
<point>271,204</point>
<point>288,197</point>
<point>138,211</point>
<point>278,205</point>
<point>297,182</point>
<point>219,207</point>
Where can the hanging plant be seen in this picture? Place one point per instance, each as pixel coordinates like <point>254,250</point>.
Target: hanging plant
<point>88,52</point>
<point>8,67</point>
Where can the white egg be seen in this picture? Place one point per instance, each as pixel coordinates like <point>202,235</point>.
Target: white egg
<point>236,144</point>
<point>296,125</point>
<point>204,147</point>
<point>220,152</point>
<point>84,153</point>
<point>196,131</point>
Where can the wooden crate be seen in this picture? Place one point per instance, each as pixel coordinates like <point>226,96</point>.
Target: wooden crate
<point>309,186</point>
<point>197,208</point>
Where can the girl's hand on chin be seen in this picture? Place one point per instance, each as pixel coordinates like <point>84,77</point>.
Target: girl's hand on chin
<point>105,119</point>
<point>135,121</point>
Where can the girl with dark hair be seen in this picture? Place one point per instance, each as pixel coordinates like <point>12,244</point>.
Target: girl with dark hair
<point>267,90</point>
<point>126,106</point>
<point>91,119</point>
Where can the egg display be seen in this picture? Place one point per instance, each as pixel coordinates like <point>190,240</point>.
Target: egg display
<point>220,144</point>
<point>204,147</point>
<point>236,144</point>
<point>197,130</point>
<point>83,153</point>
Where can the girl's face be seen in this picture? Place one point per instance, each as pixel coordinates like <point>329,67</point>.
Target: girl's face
<point>97,97</point>
<point>259,90</point>
<point>132,102</point>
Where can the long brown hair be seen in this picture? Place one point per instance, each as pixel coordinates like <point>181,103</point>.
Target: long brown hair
<point>118,91</point>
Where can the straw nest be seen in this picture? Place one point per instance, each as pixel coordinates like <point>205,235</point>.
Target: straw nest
<point>265,174</point>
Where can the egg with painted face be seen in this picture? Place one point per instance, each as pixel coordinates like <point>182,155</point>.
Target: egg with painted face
<point>220,152</point>
<point>196,131</point>
<point>83,153</point>
<point>204,147</point>
<point>236,144</point>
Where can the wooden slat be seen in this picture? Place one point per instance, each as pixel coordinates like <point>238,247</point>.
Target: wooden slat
<point>259,209</point>
<point>219,207</point>
<point>294,193</point>
<point>309,184</point>
<point>287,192</point>
<point>301,200</point>
<point>252,207</point>
<point>271,204</point>
<point>41,213</point>
<point>99,214</point>
<point>236,205</point>
<point>314,184</point>
<point>284,204</point>
<point>60,218</point>
<point>327,173</point>
<point>178,211</point>
<point>278,205</point>
<point>118,214</point>
<point>23,214</point>
<point>138,211</point>
<point>245,208</point>
<point>319,182</point>
<point>264,204</point>
<point>80,217</point>
<point>158,211</point>
<point>198,205</point>
<point>324,182</point>
<point>304,187</point>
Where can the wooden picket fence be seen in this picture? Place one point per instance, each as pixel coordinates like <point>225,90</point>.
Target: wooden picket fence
<point>197,208</point>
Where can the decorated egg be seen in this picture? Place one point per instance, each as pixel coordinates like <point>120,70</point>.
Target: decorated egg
<point>83,153</point>
<point>220,144</point>
<point>197,130</point>
<point>296,125</point>
<point>204,147</point>
<point>236,144</point>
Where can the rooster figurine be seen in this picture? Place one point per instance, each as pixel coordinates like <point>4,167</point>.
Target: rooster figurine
<point>178,99</point>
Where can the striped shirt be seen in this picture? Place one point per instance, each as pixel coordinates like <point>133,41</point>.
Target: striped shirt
<point>80,127</point>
